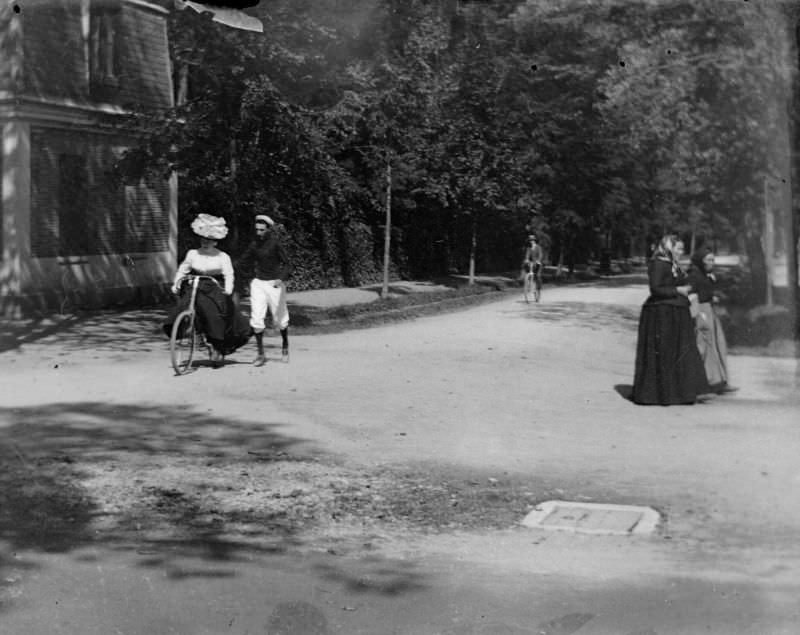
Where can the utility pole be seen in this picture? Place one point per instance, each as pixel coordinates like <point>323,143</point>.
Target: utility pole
<point>387,236</point>
<point>472,251</point>
<point>792,239</point>
<point>793,233</point>
<point>768,242</point>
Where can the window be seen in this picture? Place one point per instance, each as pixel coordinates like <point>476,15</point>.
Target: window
<point>103,44</point>
<point>73,203</point>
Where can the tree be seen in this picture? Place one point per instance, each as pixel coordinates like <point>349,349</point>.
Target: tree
<point>699,110</point>
<point>657,114</point>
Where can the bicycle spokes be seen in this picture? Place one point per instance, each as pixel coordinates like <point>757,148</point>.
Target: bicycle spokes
<point>182,343</point>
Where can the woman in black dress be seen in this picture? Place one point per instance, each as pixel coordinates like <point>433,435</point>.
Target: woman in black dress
<point>669,369</point>
<point>225,328</point>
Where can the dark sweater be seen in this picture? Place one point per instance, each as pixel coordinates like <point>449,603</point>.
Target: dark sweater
<point>702,284</point>
<point>265,260</point>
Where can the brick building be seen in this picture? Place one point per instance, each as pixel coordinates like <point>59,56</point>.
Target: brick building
<point>71,228</point>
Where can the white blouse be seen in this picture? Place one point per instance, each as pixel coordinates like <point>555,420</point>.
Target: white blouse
<point>206,265</point>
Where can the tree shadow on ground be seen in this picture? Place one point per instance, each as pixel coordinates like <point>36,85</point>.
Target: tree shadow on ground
<point>168,486</point>
<point>133,331</point>
<point>91,431</point>
<point>393,289</point>
<point>42,505</point>
<point>49,454</point>
<point>595,316</point>
<point>612,281</point>
<point>379,576</point>
<point>15,333</point>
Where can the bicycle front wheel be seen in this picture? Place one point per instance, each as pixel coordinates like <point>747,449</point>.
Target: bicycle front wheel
<point>537,294</point>
<point>181,343</point>
<point>527,287</point>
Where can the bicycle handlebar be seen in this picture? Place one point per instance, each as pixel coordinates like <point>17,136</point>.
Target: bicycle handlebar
<point>198,276</point>
<point>190,278</point>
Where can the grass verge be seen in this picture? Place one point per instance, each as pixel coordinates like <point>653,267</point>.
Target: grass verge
<point>311,320</point>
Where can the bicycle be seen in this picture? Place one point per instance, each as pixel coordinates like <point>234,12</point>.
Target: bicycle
<point>532,285</point>
<point>185,336</point>
<point>73,295</point>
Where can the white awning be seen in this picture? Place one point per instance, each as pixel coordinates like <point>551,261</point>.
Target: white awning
<point>224,15</point>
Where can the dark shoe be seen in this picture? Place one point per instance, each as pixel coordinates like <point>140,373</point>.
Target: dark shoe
<point>705,398</point>
<point>216,358</point>
<point>728,389</point>
<point>285,354</point>
<point>260,360</point>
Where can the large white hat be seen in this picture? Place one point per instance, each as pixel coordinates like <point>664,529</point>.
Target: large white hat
<point>263,218</point>
<point>208,226</point>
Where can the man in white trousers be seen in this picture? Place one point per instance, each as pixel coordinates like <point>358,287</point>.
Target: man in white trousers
<point>265,262</point>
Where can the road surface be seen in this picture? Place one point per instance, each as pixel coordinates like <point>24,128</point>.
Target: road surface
<point>519,402</point>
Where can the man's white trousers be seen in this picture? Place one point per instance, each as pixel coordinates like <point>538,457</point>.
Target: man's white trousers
<point>268,294</point>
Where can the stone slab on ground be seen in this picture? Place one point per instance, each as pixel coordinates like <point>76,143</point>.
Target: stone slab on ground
<point>593,518</point>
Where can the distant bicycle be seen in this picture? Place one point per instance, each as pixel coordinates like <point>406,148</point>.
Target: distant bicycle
<point>532,285</point>
<point>186,336</point>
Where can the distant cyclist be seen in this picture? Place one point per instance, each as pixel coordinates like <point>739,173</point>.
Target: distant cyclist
<point>533,259</point>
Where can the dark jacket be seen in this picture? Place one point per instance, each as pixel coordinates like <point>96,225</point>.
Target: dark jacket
<point>265,260</point>
<point>702,282</point>
<point>664,281</point>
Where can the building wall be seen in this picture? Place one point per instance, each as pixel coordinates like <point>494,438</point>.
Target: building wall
<point>131,230</point>
<point>15,196</point>
<point>57,51</point>
<point>124,217</point>
<point>54,58</point>
<point>2,215</point>
<point>70,227</point>
<point>144,59</point>
<point>10,47</point>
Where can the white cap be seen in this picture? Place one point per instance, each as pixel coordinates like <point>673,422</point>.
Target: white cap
<point>265,219</point>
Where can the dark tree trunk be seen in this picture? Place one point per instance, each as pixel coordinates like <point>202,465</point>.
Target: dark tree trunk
<point>754,249</point>
<point>793,232</point>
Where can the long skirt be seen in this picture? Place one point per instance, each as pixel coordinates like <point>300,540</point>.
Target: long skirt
<point>217,317</point>
<point>712,345</point>
<point>668,365</point>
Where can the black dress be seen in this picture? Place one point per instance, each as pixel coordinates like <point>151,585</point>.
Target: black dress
<point>225,328</point>
<point>668,369</point>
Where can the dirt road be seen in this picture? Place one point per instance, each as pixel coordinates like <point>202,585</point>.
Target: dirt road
<point>376,483</point>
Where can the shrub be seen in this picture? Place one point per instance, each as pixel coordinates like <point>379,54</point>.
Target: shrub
<point>358,265</point>
<point>735,286</point>
<point>758,326</point>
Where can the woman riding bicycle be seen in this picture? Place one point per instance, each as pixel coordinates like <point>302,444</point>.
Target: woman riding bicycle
<point>224,327</point>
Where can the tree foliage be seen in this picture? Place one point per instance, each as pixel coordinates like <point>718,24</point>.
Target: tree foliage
<point>596,124</point>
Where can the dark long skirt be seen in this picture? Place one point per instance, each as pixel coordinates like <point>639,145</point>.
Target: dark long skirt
<point>669,369</point>
<point>217,317</point>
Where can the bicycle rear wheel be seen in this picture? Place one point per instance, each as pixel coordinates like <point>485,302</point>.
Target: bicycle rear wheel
<point>182,342</point>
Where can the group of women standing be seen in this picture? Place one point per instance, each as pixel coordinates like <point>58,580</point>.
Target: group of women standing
<point>681,354</point>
